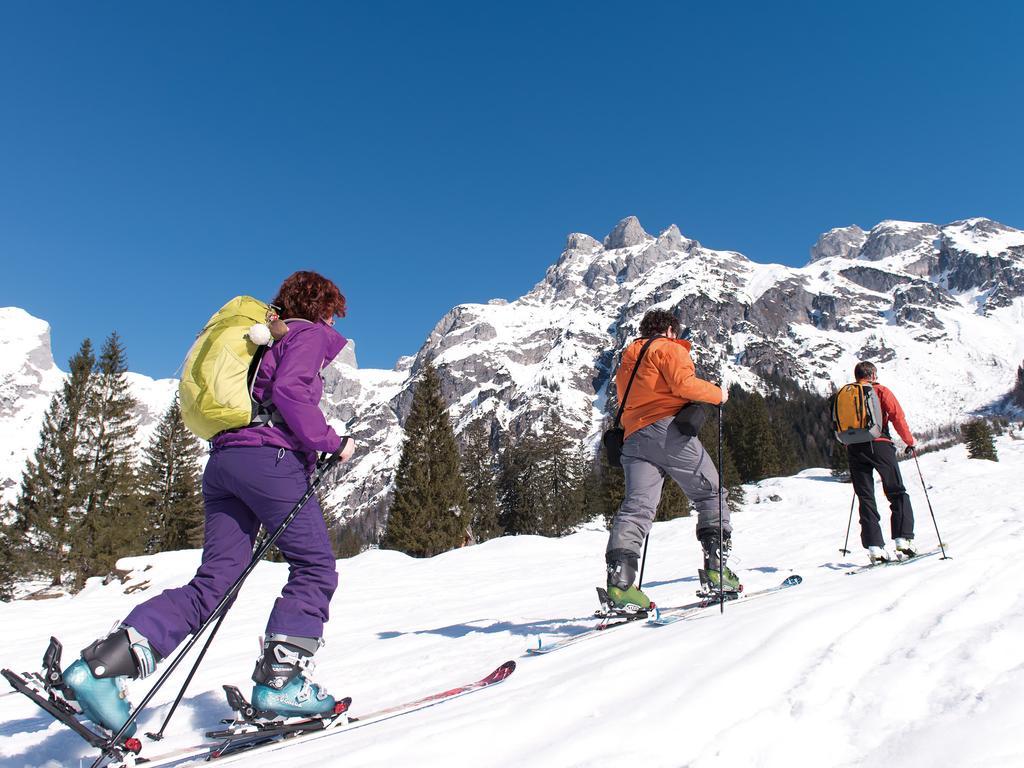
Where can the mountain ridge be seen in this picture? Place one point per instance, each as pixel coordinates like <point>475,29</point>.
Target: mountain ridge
<point>906,294</point>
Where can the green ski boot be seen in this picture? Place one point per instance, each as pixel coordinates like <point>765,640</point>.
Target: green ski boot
<point>710,580</point>
<point>624,598</point>
<point>630,600</point>
<point>730,581</point>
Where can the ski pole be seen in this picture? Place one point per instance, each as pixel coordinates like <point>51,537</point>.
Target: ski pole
<point>942,546</point>
<point>159,735</point>
<point>643,562</point>
<point>721,534</point>
<point>849,523</point>
<point>225,601</point>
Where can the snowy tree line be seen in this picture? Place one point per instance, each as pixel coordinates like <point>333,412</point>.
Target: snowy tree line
<point>85,498</point>
<point>546,483</point>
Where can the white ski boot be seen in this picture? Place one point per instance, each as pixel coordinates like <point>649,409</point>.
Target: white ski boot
<point>877,555</point>
<point>905,547</point>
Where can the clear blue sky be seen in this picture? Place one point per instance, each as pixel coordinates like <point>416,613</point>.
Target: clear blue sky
<point>158,158</point>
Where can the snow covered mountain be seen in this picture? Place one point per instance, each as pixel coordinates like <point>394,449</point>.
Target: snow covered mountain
<point>940,308</point>
<point>917,665</point>
<point>29,379</point>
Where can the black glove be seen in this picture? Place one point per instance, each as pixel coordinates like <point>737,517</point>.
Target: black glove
<point>909,450</point>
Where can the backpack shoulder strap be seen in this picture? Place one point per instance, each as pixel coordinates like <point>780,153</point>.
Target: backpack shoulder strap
<point>629,385</point>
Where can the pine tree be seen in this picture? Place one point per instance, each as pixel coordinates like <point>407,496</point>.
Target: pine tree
<point>803,423</point>
<point>751,436</point>
<point>591,502</point>
<point>784,438</point>
<point>480,478</point>
<point>730,474</point>
<point>427,512</point>
<point>542,481</point>
<point>561,478</point>
<point>347,542</point>
<point>1017,394</point>
<point>612,483</point>
<point>520,485</point>
<point>8,541</point>
<point>112,522</point>
<point>49,500</point>
<point>980,442</point>
<point>169,480</point>
<point>840,462</point>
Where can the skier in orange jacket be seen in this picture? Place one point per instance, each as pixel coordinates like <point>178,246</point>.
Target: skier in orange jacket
<point>655,448</point>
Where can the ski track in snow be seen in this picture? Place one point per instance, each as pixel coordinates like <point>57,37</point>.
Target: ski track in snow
<point>918,665</point>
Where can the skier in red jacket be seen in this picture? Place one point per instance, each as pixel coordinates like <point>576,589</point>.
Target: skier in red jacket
<point>880,455</point>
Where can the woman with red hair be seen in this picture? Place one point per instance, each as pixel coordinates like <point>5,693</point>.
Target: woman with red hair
<point>254,477</point>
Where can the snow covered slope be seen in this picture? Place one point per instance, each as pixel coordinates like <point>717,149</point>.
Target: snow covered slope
<point>918,665</point>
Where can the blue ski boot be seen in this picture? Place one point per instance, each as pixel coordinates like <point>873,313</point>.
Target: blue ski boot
<point>282,679</point>
<point>98,678</point>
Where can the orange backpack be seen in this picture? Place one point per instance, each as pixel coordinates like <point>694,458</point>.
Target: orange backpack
<point>856,414</point>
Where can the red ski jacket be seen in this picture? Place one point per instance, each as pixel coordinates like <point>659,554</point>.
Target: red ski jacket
<point>891,412</point>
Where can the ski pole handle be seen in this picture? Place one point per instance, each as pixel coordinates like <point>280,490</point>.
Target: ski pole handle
<point>328,460</point>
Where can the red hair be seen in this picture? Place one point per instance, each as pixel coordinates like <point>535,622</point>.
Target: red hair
<point>310,296</point>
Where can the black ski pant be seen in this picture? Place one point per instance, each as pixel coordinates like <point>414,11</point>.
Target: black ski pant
<point>879,456</point>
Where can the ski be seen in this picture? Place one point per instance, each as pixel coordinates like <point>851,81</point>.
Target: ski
<point>244,738</point>
<point>540,649</point>
<point>661,616</point>
<point>904,560</point>
<point>609,619</point>
<point>671,615</point>
<point>49,693</point>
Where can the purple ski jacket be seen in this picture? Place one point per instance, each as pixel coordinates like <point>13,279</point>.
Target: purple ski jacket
<point>289,378</point>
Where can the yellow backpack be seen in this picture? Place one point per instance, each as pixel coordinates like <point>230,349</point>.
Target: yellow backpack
<point>856,414</point>
<point>215,391</point>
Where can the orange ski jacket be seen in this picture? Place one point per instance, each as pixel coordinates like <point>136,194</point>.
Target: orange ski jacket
<point>665,382</point>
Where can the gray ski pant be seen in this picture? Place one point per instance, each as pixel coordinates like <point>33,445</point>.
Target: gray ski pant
<point>648,455</point>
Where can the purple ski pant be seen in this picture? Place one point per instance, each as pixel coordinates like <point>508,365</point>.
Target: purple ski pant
<point>242,488</point>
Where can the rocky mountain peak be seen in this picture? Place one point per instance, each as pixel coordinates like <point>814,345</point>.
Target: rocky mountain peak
<point>844,242</point>
<point>626,234</point>
<point>579,241</point>
<point>981,226</point>
<point>24,339</point>
<point>984,235</point>
<point>672,239</point>
<point>890,238</point>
